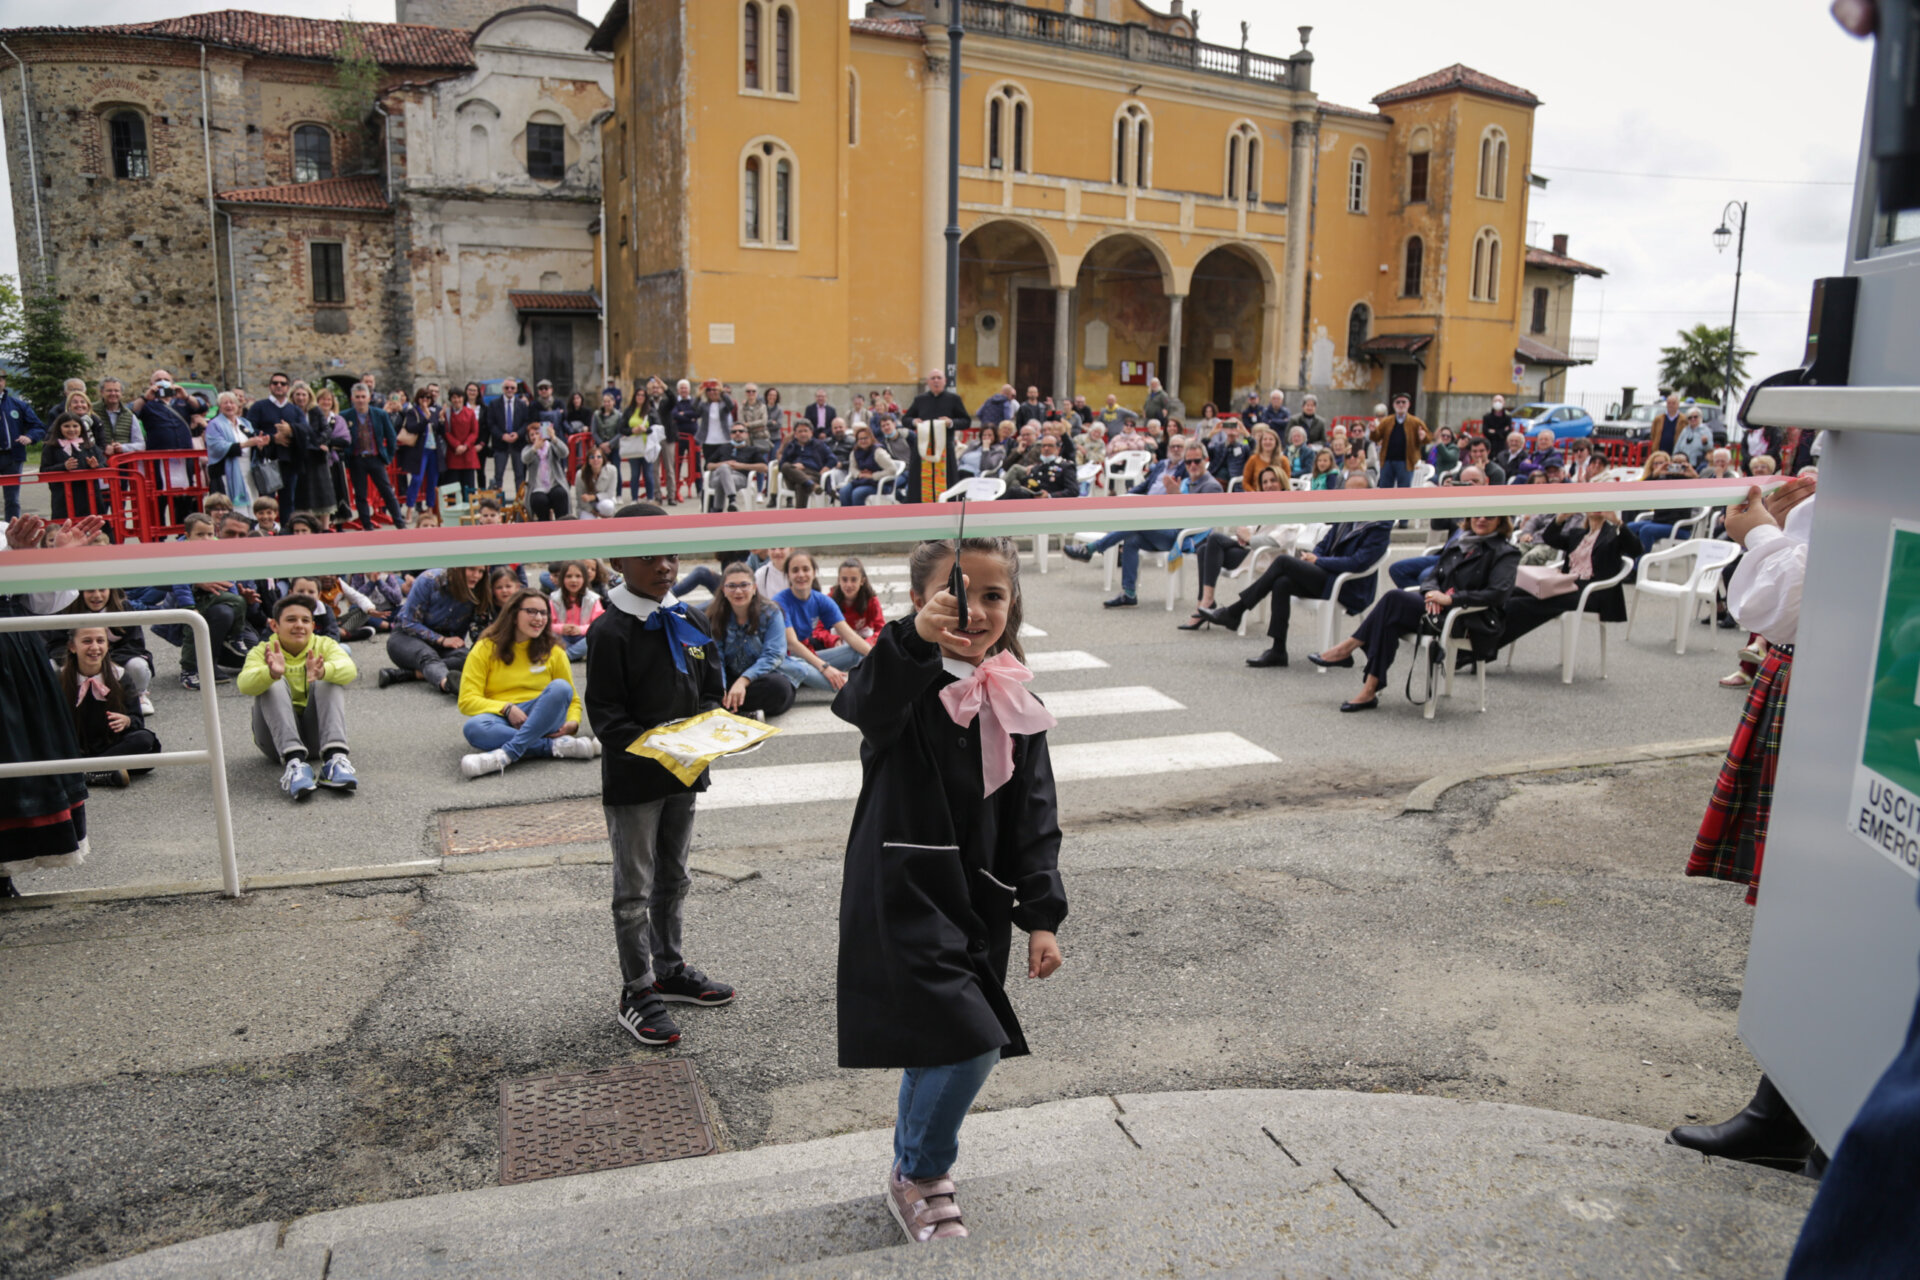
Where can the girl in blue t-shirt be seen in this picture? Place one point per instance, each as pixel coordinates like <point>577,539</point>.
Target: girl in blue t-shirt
<point>821,647</point>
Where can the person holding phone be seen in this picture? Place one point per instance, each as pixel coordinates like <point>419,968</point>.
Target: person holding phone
<point>545,461</point>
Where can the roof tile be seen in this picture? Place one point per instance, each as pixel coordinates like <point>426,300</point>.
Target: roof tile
<point>365,192</point>
<point>1458,76</point>
<point>554,300</point>
<point>392,44</point>
<point>1561,262</point>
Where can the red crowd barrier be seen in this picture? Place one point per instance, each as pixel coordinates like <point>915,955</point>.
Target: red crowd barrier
<point>1626,453</point>
<point>166,503</point>
<point>1471,427</point>
<point>119,495</point>
<point>579,445</point>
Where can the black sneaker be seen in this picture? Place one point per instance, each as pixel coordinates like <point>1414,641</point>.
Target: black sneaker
<point>690,986</point>
<point>646,1019</point>
<point>1077,551</point>
<point>188,680</point>
<point>393,675</point>
<point>1122,601</point>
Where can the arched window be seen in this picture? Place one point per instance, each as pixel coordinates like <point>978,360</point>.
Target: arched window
<point>1357,181</point>
<point>127,132</point>
<point>312,153</point>
<point>1419,158</point>
<point>750,45</point>
<point>1493,163</point>
<point>1486,266</point>
<point>783,49</point>
<point>1416,261</point>
<point>1133,146</point>
<point>1009,119</point>
<point>769,197</point>
<point>1243,162</point>
<point>1359,320</point>
<point>853,107</point>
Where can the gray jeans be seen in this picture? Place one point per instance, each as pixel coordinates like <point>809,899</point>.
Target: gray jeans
<point>411,653</point>
<point>280,729</point>
<point>650,883</point>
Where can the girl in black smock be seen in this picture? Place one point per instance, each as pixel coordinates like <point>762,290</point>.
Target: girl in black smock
<point>955,839</point>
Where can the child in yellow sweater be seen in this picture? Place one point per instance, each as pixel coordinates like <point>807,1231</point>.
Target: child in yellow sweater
<point>298,681</point>
<point>517,691</point>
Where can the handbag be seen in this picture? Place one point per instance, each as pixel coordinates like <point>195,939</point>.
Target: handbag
<point>633,446</point>
<point>264,476</point>
<point>407,436</point>
<point>1544,583</point>
<point>1430,656</point>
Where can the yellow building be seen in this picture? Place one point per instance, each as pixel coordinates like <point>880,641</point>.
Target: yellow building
<point>1134,201</point>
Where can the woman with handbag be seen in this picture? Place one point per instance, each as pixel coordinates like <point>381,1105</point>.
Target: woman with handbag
<point>230,440</point>
<point>1477,569</point>
<point>1595,550</point>
<point>323,479</point>
<point>421,437</point>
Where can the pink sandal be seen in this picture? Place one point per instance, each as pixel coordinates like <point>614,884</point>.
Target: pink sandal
<point>926,1209</point>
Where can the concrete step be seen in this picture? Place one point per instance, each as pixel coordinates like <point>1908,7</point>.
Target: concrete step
<point>1270,1181</point>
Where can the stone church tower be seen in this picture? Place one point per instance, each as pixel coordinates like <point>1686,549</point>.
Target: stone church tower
<point>465,14</point>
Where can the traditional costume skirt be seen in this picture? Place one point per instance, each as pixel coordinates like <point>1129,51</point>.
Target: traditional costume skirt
<point>43,820</point>
<point>1733,836</point>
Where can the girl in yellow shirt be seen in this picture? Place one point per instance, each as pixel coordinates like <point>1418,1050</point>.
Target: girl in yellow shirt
<point>517,691</point>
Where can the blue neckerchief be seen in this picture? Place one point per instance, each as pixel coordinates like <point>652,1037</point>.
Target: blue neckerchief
<point>687,636</point>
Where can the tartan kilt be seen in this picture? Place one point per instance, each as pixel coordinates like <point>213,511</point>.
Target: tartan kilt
<point>1732,842</point>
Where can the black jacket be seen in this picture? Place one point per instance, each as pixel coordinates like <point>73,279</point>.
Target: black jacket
<point>937,873</point>
<point>636,688</point>
<point>1349,547</point>
<point>1615,546</point>
<point>1477,571</point>
<point>502,415</point>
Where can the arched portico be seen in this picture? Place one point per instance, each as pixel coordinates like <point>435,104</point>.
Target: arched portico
<point>1233,298</point>
<point>1013,312</point>
<point>1125,321</point>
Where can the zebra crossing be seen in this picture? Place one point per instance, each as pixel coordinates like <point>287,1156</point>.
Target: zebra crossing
<point>743,782</point>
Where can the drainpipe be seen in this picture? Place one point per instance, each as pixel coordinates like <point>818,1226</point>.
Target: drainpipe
<point>233,286</point>
<point>33,168</point>
<point>386,150</point>
<point>213,243</point>
<point>606,370</point>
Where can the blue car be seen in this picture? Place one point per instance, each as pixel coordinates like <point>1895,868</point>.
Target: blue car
<point>1567,421</point>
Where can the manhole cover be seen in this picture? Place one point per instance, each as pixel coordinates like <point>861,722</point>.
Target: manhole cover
<point>583,1121</point>
<point>522,826</point>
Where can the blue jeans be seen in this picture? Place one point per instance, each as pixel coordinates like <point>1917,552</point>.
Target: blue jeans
<point>1132,544</point>
<point>803,675</point>
<point>857,492</point>
<point>546,713</point>
<point>933,1102</point>
<point>1395,475</point>
<point>1406,573</point>
<point>701,575</point>
<point>427,477</point>
<point>576,649</point>
<point>1650,532</point>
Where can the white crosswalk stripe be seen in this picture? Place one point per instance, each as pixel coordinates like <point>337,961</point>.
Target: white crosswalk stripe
<point>1063,660</point>
<point>1066,704</point>
<point>839,780</point>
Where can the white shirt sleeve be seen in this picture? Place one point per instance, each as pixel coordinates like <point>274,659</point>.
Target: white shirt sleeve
<point>1764,593</point>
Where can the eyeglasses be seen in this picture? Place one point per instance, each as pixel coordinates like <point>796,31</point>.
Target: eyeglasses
<point>1196,462</point>
<point>534,613</point>
<point>738,586</point>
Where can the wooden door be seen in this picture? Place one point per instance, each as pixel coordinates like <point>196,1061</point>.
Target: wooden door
<point>1035,310</point>
<point>553,354</point>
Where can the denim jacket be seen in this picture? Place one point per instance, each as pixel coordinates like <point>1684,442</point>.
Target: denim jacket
<point>750,655</point>
<point>433,611</point>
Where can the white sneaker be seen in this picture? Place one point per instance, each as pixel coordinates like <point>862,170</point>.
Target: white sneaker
<point>568,747</point>
<point>482,763</point>
<point>146,705</point>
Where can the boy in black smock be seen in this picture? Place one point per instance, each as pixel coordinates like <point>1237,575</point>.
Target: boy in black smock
<point>653,662</point>
<point>956,838</point>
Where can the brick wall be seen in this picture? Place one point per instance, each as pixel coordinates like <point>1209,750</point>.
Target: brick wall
<point>281,327</point>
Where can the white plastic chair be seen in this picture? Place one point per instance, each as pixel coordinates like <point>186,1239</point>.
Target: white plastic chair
<point>1710,556</point>
<point>1451,645</point>
<point>1327,611</point>
<point>1126,469</point>
<point>1570,626</point>
<point>887,495</point>
<point>976,489</point>
<point>1176,562</point>
<point>1301,484</point>
<point>1422,479</point>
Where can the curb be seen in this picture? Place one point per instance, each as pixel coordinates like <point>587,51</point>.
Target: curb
<point>1425,798</point>
<point>466,865</point>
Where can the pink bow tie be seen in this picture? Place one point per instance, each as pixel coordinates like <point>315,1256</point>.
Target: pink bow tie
<point>997,693</point>
<point>96,686</point>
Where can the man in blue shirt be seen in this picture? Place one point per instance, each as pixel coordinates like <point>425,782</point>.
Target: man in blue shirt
<point>1193,478</point>
<point>19,427</point>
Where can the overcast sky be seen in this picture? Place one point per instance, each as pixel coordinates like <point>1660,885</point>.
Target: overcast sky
<point>1756,100</point>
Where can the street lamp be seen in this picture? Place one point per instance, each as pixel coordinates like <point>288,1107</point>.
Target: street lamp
<point>1736,212</point>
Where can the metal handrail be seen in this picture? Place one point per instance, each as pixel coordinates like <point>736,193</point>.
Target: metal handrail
<point>1121,40</point>
<point>213,754</point>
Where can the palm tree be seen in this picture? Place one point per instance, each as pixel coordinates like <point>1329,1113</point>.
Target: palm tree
<point>1697,367</point>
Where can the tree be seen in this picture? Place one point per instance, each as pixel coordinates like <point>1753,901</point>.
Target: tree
<point>43,349</point>
<point>356,78</point>
<point>1697,366</point>
<point>9,315</point>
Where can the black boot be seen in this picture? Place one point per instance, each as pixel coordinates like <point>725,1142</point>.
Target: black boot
<point>394,675</point>
<point>1227,616</point>
<point>1765,1133</point>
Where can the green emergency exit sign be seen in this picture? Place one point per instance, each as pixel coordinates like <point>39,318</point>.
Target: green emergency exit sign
<point>1886,784</point>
